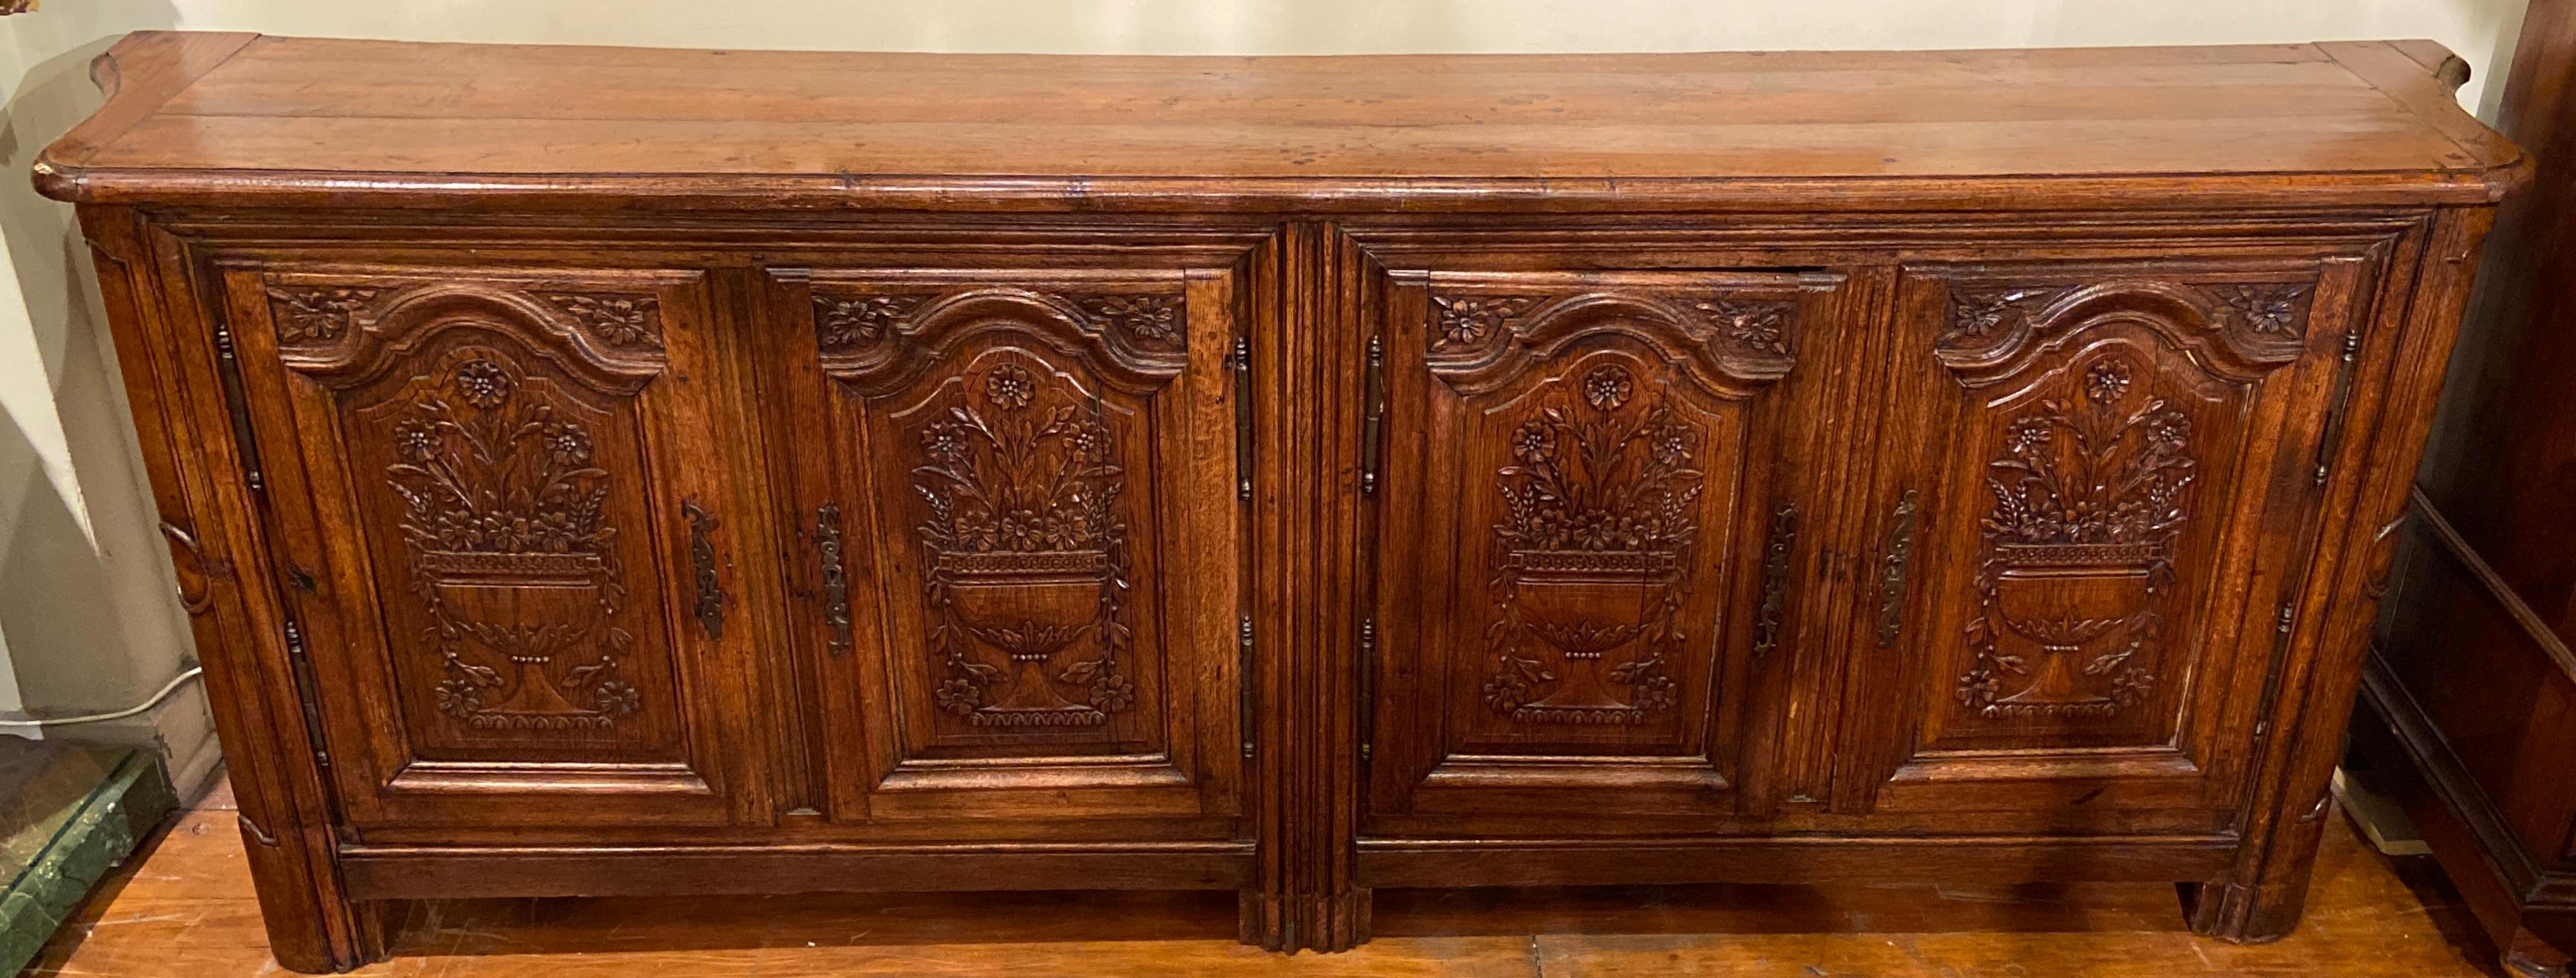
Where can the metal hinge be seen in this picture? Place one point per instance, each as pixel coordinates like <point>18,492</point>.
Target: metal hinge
<point>2288,622</point>
<point>1244,701</point>
<point>238,406</point>
<point>1373,422</point>
<point>1368,686</point>
<point>306,689</point>
<point>1242,364</point>
<point>2335,409</point>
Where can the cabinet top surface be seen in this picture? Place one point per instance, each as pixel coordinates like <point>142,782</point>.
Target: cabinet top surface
<point>248,119</point>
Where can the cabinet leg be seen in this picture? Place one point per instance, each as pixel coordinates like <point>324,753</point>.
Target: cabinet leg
<point>312,926</point>
<point>1306,921</point>
<point>2243,914</point>
<point>2527,956</point>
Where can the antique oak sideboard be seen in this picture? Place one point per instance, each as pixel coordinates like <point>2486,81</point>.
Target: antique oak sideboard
<point>610,471</point>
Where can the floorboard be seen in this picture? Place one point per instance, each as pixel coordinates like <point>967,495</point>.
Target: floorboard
<point>185,910</point>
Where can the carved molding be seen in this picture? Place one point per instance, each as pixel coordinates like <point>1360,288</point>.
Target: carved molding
<point>1600,511</point>
<point>1467,320</point>
<point>2088,501</point>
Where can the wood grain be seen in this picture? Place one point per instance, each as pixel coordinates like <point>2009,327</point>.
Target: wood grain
<point>310,119</point>
<point>184,910</point>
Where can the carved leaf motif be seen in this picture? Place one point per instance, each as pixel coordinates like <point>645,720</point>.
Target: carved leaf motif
<point>617,320</point>
<point>315,314</point>
<point>500,490</point>
<point>1146,320</point>
<point>841,322</point>
<point>1020,484</point>
<point>1467,320</point>
<point>2269,309</point>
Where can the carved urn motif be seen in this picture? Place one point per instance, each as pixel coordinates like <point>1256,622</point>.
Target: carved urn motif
<point>1025,553</point>
<point>2079,552</point>
<point>1597,519</point>
<point>510,556</point>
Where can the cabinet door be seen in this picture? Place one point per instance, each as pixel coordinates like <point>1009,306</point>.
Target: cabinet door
<point>500,540</point>
<point>1585,537</point>
<point>1019,490</point>
<point>2099,482</point>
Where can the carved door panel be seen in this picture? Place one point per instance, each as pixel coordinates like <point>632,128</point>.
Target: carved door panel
<point>502,540</point>
<point>1585,538</point>
<point>2098,487</point>
<point>1019,491</point>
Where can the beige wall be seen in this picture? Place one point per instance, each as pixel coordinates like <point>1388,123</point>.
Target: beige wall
<point>86,622</point>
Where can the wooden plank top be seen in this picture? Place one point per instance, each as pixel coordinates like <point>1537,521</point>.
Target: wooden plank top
<point>247,119</point>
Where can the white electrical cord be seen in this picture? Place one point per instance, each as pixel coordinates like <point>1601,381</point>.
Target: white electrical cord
<point>172,686</point>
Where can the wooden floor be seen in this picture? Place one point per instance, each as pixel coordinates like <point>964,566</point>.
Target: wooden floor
<point>185,910</point>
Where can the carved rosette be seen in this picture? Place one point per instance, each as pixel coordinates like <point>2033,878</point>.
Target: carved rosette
<point>1025,556</point>
<point>1467,320</point>
<point>1980,316</point>
<point>1751,325</point>
<point>617,320</point>
<point>1147,321</point>
<point>510,555</point>
<point>307,314</point>
<point>1599,515</point>
<point>2078,550</point>
<point>848,322</point>
<point>2266,308</point>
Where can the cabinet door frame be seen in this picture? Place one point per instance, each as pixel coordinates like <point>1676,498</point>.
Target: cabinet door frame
<point>2279,326</point>
<point>846,334</point>
<point>1727,338</point>
<point>298,331</point>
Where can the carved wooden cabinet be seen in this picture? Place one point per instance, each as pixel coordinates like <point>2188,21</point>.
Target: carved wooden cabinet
<point>610,472</point>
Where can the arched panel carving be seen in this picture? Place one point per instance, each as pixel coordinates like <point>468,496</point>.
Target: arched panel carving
<point>2239,330</point>
<point>494,432</point>
<point>2101,413</point>
<point>350,335</point>
<point>880,341</point>
<point>1730,344</point>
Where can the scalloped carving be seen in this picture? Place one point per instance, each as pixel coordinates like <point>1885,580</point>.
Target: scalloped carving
<point>1729,344</point>
<point>1978,316</point>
